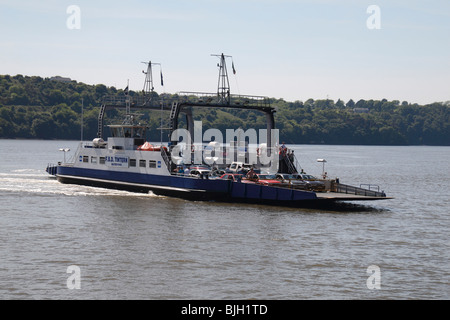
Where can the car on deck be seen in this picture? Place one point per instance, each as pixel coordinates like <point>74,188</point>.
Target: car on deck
<point>265,179</point>
<point>313,183</point>
<point>202,173</point>
<point>292,181</point>
<point>232,176</point>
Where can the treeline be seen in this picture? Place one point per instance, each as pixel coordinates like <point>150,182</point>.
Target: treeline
<point>34,107</point>
<point>370,122</point>
<point>38,108</point>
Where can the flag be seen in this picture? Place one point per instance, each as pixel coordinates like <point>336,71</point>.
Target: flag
<point>162,81</point>
<point>126,91</point>
<point>232,66</point>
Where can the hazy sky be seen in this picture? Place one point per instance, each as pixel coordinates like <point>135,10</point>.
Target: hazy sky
<point>291,49</point>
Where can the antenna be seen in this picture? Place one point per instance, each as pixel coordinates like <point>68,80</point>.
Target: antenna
<point>82,125</point>
<point>148,84</point>
<point>128,116</point>
<point>127,98</point>
<point>223,86</point>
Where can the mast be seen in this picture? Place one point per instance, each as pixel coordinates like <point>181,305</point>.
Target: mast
<point>223,86</point>
<point>148,84</point>
<point>82,116</point>
<point>148,87</point>
<point>128,116</point>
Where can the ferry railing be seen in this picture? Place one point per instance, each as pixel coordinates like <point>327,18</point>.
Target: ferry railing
<point>347,189</point>
<point>51,169</point>
<point>213,98</point>
<point>114,100</point>
<point>200,98</point>
<point>72,159</point>
<point>370,186</point>
<point>121,100</point>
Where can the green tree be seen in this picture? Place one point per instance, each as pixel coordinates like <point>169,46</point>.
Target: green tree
<point>43,127</point>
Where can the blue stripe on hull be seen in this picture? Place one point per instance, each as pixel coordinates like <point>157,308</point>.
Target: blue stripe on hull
<point>250,191</point>
<point>200,189</point>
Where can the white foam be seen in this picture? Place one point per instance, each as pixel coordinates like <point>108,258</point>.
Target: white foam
<point>41,184</point>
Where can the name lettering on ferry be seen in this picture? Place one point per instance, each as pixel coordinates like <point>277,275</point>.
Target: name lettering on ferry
<point>116,161</point>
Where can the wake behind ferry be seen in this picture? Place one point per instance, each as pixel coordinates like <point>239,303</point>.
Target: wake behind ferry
<point>241,170</point>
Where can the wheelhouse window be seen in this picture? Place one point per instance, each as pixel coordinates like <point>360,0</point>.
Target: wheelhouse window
<point>138,132</point>
<point>128,131</point>
<point>117,131</point>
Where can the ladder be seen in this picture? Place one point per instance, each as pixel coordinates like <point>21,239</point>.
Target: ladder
<point>173,114</point>
<point>167,159</point>
<point>290,165</point>
<point>100,121</point>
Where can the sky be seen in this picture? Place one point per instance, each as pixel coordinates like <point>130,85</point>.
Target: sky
<point>288,49</point>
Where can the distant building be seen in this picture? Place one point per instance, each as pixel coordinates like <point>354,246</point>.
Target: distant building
<point>361,110</point>
<point>60,79</point>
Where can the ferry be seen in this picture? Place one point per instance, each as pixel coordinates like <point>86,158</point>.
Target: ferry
<point>234,171</point>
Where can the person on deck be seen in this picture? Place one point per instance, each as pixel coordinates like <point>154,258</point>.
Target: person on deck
<point>251,175</point>
<point>283,150</point>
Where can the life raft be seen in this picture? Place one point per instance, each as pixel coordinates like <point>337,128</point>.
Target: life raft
<point>149,147</point>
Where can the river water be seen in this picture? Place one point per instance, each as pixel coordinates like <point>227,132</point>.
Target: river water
<point>134,246</point>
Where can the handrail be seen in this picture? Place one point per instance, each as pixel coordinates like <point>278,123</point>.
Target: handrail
<point>211,98</point>
<point>370,186</point>
<point>343,188</point>
<point>120,100</point>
